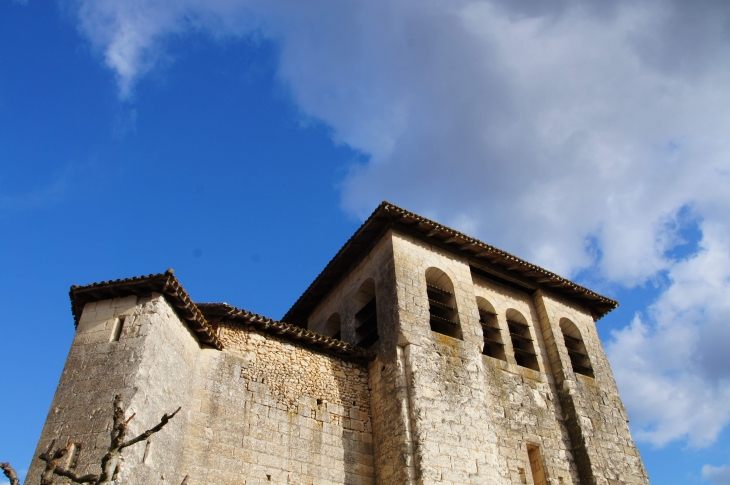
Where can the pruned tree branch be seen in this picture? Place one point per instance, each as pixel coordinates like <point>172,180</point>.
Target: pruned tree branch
<point>110,462</point>
<point>52,469</point>
<point>52,458</point>
<point>163,421</point>
<point>90,478</point>
<point>9,472</point>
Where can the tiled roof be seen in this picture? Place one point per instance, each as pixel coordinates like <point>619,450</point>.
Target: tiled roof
<point>164,283</point>
<point>285,331</point>
<point>200,316</point>
<point>482,256</point>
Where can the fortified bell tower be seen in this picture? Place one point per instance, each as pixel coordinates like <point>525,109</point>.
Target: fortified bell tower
<point>419,355</point>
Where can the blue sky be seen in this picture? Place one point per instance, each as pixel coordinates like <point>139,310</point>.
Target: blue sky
<point>242,142</point>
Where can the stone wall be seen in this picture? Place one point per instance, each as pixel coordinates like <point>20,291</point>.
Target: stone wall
<point>469,418</point>
<point>524,404</point>
<point>596,418</point>
<point>268,411</point>
<point>148,365</point>
<point>378,265</point>
<point>393,451</point>
<point>264,410</point>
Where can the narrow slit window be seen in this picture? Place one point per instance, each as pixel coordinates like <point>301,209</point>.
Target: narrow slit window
<point>521,473</point>
<point>117,331</point>
<point>577,352</point>
<point>536,465</point>
<point>443,314</point>
<point>493,345</point>
<point>366,318</point>
<point>519,332</point>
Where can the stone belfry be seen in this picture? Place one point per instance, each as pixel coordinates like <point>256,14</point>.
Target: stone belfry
<point>419,355</point>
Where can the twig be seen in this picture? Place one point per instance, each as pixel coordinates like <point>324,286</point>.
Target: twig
<point>51,458</point>
<point>163,421</point>
<point>90,478</point>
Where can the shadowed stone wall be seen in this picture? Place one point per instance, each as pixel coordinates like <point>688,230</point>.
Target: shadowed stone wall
<point>595,416</point>
<point>268,411</point>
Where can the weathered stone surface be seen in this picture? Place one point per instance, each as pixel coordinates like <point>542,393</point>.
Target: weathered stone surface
<point>267,408</point>
<point>149,366</point>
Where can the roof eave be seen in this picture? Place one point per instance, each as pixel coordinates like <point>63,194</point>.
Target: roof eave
<point>287,331</point>
<point>388,215</point>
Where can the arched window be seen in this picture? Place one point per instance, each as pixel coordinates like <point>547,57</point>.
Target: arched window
<point>442,304</point>
<point>576,348</point>
<point>519,332</point>
<point>493,345</point>
<point>333,326</point>
<point>366,316</point>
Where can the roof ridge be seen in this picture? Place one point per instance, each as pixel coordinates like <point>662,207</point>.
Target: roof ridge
<point>336,268</point>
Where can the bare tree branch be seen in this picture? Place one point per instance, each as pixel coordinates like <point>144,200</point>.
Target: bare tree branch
<point>13,477</point>
<point>52,458</point>
<point>110,462</point>
<point>90,478</point>
<point>185,480</point>
<point>112,459</point>
<point>163,421</point>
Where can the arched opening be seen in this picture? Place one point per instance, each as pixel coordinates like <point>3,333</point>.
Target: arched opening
<point>576,348</point>
<point>333,326</point>
<point>366,315</point>
<point>519,332</point>
<point>493,345</point>
<point>444,315</point>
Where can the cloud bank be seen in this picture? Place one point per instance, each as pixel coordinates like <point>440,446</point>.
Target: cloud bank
<point>676,364</point>
<point>578,135</point>
<point>716,475</point>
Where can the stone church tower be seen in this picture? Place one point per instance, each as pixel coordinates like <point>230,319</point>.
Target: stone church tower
<point>418,356</point>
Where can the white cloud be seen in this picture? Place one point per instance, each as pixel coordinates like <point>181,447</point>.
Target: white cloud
<point>571,133</point>
<point>716,475</point>
<point>674,368</point>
